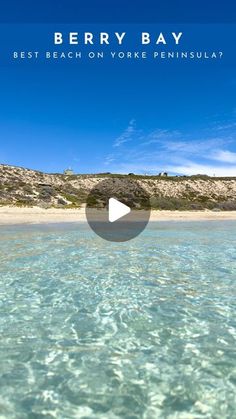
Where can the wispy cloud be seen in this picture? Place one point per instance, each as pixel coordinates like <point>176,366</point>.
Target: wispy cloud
<point>226,126</point>
<point>127,134</point>
<point>196,147</point>
<point>160,136</point>
<point>189,168</point>
<point>211,170</point>
<point>205,151</point>
<point>109,159</point>
<point>224,156</point>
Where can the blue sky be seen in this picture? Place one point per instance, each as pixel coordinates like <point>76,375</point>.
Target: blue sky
<point>119,116</point>
<point>117,11</point>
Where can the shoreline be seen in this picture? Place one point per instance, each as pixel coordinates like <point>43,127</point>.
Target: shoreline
<point>36,215</point>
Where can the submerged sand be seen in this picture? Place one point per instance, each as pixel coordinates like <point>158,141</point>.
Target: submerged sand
<point>36,215</point>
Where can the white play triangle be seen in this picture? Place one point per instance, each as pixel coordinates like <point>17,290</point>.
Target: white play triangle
<point>117,210</point>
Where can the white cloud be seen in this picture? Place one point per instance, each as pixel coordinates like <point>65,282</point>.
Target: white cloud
<point>224,156</point>
<point>196,147</point>
<point>127,134</point>
<point>226,126</point>
<point>160,136</point>
<point>109,159</point>
<point>170,150</point>
<point>188,169</point>
<point>204,169</point>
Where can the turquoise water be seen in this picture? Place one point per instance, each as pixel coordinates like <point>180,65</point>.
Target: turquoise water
<point>143,329</point>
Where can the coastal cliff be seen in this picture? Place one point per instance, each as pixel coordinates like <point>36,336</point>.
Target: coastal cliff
<point>25,187</point>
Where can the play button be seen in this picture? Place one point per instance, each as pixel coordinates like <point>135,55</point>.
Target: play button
<point>117,208</point>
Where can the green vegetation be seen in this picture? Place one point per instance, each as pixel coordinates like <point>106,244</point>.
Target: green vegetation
<point>146,177</point>
<point>200,203</point>
<point>24,203</point>
<point>92,201</point>
<point>28,189</point>
<point>75,199</point>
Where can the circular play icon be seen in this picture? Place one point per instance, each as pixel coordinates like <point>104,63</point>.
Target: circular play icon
<point>118,209</point>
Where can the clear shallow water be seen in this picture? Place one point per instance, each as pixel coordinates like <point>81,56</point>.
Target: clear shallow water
<point>143,329</point>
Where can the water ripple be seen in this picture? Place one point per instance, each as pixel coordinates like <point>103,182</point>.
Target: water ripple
<point>142,329</point>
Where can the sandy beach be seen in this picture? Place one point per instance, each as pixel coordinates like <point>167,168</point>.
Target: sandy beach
<point>36,215</point>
